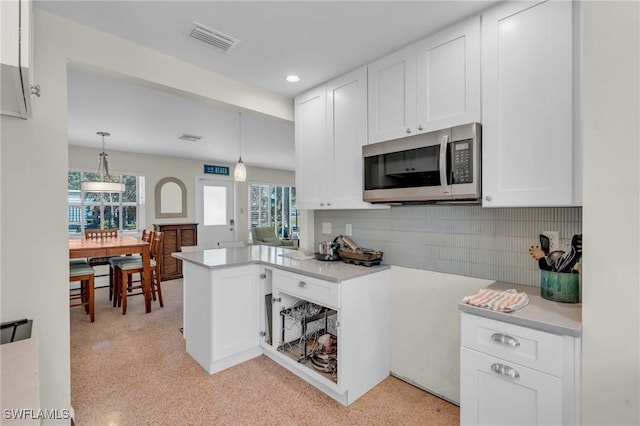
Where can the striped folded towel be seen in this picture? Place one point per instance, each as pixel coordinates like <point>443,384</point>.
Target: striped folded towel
<point>501,301</point>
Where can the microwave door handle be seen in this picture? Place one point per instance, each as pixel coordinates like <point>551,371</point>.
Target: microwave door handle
<point>444,140</point>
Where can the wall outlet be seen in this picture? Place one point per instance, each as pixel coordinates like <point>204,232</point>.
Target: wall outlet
<point>348,231</point>
<point>326,227</point>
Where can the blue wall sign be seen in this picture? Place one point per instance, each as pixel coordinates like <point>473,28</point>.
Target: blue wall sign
<point>216,170</point>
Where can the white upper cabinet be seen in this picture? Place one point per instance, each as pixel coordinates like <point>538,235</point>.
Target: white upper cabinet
<point>346,134</point>
<point>527,105</point>
<point>15,58</point>
<point>331,128</point>
<point>392,96</point>
<point>311,148</point>
<point>448,73</point>
<point>427,86</point>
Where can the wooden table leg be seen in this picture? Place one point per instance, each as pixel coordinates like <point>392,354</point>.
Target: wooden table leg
<point>146,265</point>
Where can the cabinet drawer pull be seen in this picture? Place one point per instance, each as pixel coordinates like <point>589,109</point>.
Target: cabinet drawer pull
<point>505,370</point>
<point>505,339</point>
<point>302,284</point>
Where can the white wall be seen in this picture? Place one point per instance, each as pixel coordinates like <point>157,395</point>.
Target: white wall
<point>610,286</point>
<point>155,168</point>
<point>34,165</point>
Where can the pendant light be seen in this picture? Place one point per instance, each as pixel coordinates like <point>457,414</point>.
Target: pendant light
<point>240,171</point>
<point>106,182</point>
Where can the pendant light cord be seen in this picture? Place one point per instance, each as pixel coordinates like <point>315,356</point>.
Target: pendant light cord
<point>240,132</point>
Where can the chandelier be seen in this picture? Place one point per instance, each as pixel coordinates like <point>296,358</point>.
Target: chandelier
<point>106,182</point>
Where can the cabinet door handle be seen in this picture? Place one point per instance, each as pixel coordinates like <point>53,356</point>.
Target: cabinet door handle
<point>420,127</point>
<point>275,300</point>
<point>505,339</point>
<point>408,130</point>
<point>505,370</point>
<point>302,284</point>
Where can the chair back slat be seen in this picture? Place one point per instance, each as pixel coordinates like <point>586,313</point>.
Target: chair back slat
<point>100,233</point>
<point>157,249</point>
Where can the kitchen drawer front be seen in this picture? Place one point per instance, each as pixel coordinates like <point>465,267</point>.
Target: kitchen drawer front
<point>324,293</point>
<point>496,392</point>
<point>525,346</point>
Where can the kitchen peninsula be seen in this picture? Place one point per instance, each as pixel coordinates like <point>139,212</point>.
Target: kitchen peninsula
<point>327,322</point>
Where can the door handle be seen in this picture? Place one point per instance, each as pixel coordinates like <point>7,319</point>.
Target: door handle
<point>444,140</point>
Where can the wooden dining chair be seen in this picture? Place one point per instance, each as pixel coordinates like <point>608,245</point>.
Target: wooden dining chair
<point>125,268</point>
<point>146,236</point>
<point>80,270</point>
<point>98,261</point>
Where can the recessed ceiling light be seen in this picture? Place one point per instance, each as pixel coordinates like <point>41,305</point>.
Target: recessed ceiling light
<point>293,78</point>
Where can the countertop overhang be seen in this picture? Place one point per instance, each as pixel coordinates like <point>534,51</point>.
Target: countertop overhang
<point>334,271</point>
<point>540,313</point>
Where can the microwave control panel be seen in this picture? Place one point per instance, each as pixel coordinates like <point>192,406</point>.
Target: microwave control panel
<point>462,156</point>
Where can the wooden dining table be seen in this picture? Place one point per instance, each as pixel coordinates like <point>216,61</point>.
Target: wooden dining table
<point>116,246</point>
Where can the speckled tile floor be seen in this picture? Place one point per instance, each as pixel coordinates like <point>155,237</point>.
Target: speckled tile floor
<point>134,370</point>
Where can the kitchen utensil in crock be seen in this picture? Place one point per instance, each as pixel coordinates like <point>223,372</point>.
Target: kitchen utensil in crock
<point>553,258</point>
<point>554,240</point>
<point>569,262</point>
<point>538,254</point>
<point>544,244</point>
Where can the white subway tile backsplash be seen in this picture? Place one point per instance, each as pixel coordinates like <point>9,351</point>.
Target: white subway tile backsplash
<point>466,240</point>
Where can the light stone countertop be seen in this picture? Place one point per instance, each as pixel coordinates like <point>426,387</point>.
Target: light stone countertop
<point>540,314</point>
<point>337,271</point>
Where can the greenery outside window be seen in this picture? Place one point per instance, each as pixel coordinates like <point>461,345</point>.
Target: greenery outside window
<point>91,210</point>
<point>274,205</point>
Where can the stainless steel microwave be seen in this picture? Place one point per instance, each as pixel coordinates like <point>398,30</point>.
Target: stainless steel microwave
<point>444,165</point>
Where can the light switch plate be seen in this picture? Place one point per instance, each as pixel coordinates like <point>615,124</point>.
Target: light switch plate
<point>326,227</point>
<point>348,231</point>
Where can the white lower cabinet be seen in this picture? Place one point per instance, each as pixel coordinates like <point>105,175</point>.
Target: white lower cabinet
<point>237,313</point>
<point>222,320</point>
<point>355,313</point>
<point>514,375</point>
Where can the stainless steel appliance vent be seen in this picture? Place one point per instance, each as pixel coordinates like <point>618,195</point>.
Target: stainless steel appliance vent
<point>212,37</point>
<point>191,138</point>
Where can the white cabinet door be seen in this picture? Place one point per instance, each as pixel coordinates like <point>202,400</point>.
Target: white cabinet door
<point>235,322</point>
<point>312,162</point>
<point>527,104</point>
<point>330,130</point>
<point>346,134</point>
<point>495,392</point>
<point>16,58</point>
<point>448,77</point>
<point>392,96</point>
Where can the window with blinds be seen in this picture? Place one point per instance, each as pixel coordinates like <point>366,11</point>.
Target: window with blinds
<point>274,205</point>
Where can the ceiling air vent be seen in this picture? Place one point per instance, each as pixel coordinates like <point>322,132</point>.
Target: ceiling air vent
<point>190,138</point>
<point>212,37</point>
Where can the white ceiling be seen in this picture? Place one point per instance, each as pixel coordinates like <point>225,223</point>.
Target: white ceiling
<point>317,40</point>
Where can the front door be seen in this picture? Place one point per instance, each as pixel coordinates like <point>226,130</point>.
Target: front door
<point>214,211</point>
